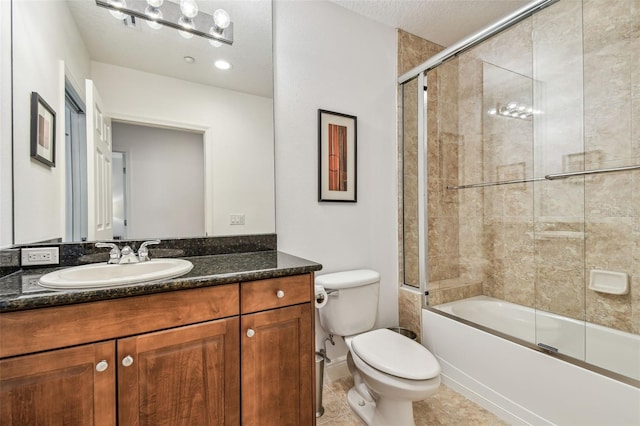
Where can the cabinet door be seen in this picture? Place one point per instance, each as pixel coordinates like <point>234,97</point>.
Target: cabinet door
<point>74,386</point>
<point>182,376</point>
<point>277,367</point>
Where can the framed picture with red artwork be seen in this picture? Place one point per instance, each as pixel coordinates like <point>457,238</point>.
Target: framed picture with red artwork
<point>337,165</point>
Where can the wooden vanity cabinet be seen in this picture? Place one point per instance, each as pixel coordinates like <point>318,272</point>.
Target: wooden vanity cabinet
<point>59,387</point>
<point>277,352</point>
<point>186,357</point>
<point>183,376</point>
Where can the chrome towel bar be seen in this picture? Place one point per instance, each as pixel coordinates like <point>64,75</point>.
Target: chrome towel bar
<point>553,176</point>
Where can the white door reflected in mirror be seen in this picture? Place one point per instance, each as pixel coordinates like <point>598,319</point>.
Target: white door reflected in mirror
<point>143,78</point>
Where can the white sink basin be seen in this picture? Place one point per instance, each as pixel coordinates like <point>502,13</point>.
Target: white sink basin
<point>99,275</point>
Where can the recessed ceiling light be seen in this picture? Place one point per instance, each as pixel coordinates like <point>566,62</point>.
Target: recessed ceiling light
<point>222,64</point>
<point>189,59</point>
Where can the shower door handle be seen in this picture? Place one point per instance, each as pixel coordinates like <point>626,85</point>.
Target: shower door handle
<point>548,348</point>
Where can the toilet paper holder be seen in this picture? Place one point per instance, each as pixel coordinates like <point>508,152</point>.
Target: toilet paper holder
<point>321,296</point>
<point>332,292</point>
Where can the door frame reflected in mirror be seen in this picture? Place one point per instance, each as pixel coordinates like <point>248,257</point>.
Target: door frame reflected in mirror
<point>259,219</point>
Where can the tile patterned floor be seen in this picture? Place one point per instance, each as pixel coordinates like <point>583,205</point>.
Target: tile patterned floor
<point>447,407</point>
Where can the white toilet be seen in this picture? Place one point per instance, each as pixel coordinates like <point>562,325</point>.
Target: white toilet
<point>390,371</point>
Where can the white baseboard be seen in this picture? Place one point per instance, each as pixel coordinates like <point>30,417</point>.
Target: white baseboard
<point>336,369</point>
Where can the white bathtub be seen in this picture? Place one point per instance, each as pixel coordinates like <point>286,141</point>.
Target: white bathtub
<point>525,386</point>
<point>604,347</point>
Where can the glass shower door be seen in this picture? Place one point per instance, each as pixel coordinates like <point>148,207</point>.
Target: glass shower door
<point>533,184</point>
<point>559,208</point>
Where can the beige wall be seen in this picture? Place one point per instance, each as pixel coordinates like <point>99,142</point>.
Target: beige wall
<point>535,243</point>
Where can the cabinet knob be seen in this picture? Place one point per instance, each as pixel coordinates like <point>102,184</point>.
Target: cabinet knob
<point>102,366</point>
<point>127,360</point>
<point>280,294</point>
<point>250,332</point>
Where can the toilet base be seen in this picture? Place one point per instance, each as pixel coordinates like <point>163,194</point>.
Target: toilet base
<point>362,408</point>
<point>383,412</point>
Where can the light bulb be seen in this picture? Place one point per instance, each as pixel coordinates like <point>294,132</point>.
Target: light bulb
<point>155,3</point>
<point>118,4</point>
<point>222,64</point>
<point>221,18</point>
<point>189,8</point>
<point>153,14</point>
<point>492,111</point>
<point>213,32</point>
<point>186,23</point>
<point>512,105</point>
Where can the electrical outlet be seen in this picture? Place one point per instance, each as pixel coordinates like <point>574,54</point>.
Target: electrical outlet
<point>236,219</point>
<point>40,256</point>
<point>30,284</point>
<point>9,257</point>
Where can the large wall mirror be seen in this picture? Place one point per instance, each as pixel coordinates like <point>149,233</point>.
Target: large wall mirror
<point>151,139</point>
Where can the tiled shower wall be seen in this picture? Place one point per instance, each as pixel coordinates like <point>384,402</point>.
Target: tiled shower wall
<point>535,243</point>
<point>412,51</point>
<point>612,131</point>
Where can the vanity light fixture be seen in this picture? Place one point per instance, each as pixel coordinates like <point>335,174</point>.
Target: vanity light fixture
<point>154,14</point>
<point>186,24</point>
<point>214,43</point>
<point>189,8</point>
<point>514,110</point>
<point>184,17</point>
<point>221,21</point>
<point>116,10</point>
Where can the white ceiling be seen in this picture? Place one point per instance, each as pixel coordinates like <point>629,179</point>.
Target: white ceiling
<point>442,21</point>
<point>162,51</point>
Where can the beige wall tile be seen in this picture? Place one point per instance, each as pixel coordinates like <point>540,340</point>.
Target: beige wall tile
<point>534,244</point>
<point>635,304</point>
<point>413,50</point>
<point>609,310</point>
<point>609,244</point>
<point>562,199</point>
<point>410,306</point>
<point>608,195</point>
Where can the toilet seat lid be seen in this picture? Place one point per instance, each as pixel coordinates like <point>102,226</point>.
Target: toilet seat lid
<point>394,354</point>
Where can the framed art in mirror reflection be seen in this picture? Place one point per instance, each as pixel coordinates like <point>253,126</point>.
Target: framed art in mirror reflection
<point>43,131</point>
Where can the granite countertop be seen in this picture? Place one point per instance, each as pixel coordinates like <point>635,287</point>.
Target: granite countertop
<point>20,291</point>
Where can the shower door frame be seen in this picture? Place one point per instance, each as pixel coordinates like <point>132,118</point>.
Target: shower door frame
<point>419,72</point>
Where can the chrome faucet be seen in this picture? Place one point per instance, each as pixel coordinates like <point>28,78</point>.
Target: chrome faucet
<point>143,251</point>
<point>126,254</point>
<point>114,254</point>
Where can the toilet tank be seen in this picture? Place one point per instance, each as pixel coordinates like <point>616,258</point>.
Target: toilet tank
<point>352,304</point>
